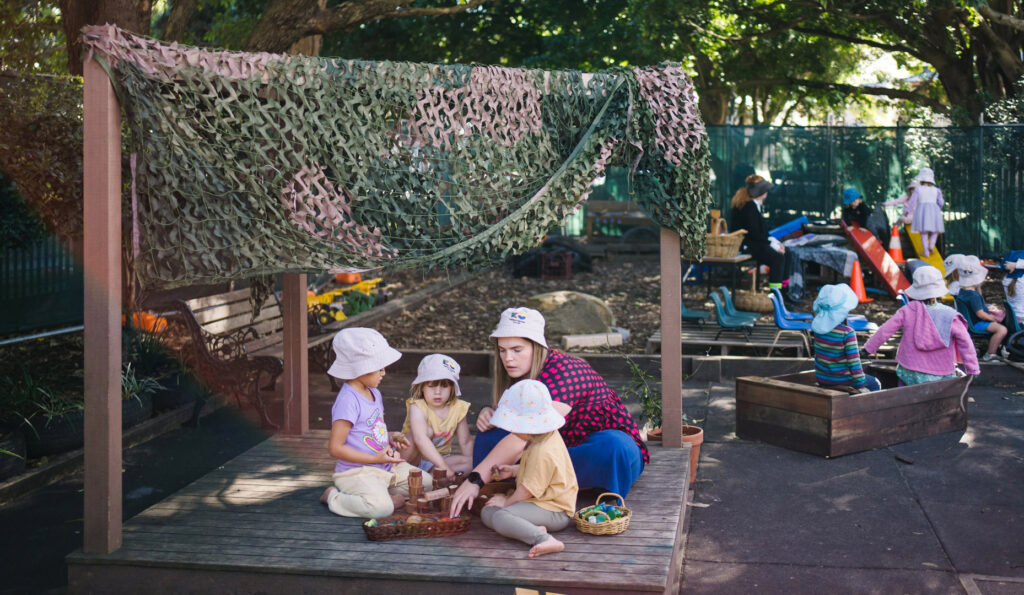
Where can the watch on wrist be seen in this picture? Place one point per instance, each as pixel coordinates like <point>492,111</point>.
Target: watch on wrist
<point>475,478</point>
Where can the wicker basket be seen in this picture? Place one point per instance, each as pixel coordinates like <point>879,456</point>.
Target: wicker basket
<point>750,301</point>
<point>397,526</point>
<point>725,245</point>
<point>611,527</point>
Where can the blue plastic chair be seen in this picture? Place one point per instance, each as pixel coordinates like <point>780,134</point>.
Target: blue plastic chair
<point>902,297</point>
<point>699,316</point>
<point>790,314</point>
<point>730,308</point>
<point>786,325</point>
<point>727,322</point>
<point>860,323</point>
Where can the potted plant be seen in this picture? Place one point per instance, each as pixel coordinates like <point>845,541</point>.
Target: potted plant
<point>52,422</point>
<point>643,388</point>
<point>137,396</point>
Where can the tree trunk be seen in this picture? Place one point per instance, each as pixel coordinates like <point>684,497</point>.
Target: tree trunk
<point>282,25</point>
<point>130,15</point>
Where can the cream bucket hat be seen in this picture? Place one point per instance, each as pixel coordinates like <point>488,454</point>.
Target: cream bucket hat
<point>438,366</point>
<point>524,323</point>
<point>359,351</point>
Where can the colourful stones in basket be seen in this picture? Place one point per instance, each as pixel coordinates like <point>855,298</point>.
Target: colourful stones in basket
<point>601,513</point>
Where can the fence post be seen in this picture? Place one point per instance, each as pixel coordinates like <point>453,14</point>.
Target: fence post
<point>980,187</point>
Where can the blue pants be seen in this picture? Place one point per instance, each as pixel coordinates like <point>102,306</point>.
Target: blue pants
<point>872,383</point>
<point>609,459</point>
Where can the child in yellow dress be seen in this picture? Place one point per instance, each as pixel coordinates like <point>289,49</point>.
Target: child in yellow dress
<point>546,488</point>
<point>435,415</point>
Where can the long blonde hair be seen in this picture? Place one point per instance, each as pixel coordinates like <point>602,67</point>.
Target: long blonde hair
<point>742,196</point>
<point>501,378</point>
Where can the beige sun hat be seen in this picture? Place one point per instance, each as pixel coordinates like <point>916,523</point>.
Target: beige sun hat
<point>928,283</point>
<point>525,408</point>
<point>525,323</point>
<point>359,351</point>
<point>438,366</point>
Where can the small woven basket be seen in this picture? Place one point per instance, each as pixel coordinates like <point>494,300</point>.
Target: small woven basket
<point>611,527</point>
<point>725,245</point>
<point>750,301</point>
<point>397,526</point>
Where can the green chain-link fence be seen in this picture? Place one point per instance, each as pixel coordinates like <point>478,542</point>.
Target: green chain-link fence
<point>979,169</point>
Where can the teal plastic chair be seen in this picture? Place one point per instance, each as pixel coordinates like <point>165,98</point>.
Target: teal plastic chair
<point>727,322</point>
<point>698,316</point>
<point>730,308</point>
<point>972,321</point>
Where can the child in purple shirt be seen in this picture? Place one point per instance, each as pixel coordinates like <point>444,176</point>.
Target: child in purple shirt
<point>370,478</point>
<point>932,333</point>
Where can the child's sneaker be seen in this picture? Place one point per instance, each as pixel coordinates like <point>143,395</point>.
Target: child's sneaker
<point>990,357</point>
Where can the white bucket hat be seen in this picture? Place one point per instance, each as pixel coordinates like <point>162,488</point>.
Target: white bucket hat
<point>521,322</point>
<point>525,408</point>
<point>972,272</point>
<point>832,306</point>
<point>925,174</point>
<point>438,366</point>
<point>928,284</point>
<point>359,351</point>
<point>952,263</point>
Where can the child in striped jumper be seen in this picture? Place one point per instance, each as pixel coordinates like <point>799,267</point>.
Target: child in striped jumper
<point>836,353</point>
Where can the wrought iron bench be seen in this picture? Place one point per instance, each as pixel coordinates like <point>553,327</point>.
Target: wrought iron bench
<point>240,355</point>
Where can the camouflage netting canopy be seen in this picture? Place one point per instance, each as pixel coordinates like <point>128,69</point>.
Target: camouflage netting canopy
<point>249,164</point>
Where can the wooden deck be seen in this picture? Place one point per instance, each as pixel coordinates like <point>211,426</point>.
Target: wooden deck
<point>255,525</point>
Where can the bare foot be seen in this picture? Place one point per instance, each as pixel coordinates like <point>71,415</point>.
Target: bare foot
<point>326,495</point>
<point>398,500</point>
<point>550,546</point>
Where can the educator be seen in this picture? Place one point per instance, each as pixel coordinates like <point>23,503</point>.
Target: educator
<point>603,440</point>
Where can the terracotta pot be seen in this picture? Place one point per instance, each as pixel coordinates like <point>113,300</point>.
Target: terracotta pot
<point>694,436</point>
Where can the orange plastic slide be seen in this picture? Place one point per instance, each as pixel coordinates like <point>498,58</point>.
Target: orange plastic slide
<point>868,246</point>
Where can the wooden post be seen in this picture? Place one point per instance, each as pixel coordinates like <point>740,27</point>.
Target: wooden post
<point>102,309</point>
<point>296,356</point>
<point>671,340</point>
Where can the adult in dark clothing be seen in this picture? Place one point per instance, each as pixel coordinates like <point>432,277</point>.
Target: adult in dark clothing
<point>747,214</point>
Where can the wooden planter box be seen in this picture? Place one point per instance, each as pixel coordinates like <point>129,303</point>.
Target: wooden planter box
<point>793,412</point>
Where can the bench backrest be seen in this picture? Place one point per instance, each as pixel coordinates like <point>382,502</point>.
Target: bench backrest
<point>225,312</point>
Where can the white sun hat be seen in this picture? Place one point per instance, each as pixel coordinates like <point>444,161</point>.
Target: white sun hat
<point>438,366</point>
<point>972,272</point>
<point>359,351</point>
<point>952,263</point>
<point>928,284</point>
<point>524,323</point>
<point>925,174</point>
<point>525,408</point>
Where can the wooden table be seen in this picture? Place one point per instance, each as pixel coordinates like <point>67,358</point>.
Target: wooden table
<point>734,262</point>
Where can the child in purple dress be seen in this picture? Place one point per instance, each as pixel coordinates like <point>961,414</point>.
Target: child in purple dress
<point>926,204</point>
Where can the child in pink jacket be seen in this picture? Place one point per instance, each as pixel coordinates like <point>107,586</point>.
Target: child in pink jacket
<point>933,333</point>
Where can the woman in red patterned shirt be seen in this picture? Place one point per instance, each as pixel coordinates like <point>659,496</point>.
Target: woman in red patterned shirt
<point>603,440</point>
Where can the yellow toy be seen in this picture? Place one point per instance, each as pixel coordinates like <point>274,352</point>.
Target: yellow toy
<point>328,306</point>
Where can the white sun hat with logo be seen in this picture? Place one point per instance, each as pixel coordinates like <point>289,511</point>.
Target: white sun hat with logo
<point>438,366</point>
<point>525,408</point>
<point>359,351</point>
<point>524,323</point>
